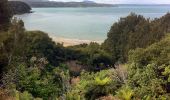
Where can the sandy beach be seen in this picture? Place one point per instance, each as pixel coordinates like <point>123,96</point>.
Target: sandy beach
<point>70,42</point>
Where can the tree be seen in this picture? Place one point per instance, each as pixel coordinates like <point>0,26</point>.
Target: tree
<point>134,31</point>
<point>12,43</point>
<point>4,15</point>
<point>39,44</point>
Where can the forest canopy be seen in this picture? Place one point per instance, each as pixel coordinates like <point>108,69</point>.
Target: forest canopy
<point>134,31</point>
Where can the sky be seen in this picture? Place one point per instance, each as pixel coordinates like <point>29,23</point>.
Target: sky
<point>125,1</point>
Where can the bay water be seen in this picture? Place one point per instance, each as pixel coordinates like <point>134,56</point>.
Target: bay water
<point>85,23</point>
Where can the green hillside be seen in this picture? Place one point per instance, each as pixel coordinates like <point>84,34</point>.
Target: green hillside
<point>132,64</point>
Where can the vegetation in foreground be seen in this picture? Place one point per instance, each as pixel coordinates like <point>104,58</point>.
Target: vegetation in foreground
<point>132,64</point>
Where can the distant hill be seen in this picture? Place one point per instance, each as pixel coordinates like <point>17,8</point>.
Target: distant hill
<point>88,1</point>
<point>18,7</point>
<point>46,3</point>
<point>30,0</point>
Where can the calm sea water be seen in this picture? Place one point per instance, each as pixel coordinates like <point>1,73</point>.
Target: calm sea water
<point>85,23</point>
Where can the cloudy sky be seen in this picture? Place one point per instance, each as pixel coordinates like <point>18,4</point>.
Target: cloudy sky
<point>126,1</point>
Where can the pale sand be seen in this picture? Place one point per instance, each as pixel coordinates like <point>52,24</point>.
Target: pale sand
<point>70,42</point>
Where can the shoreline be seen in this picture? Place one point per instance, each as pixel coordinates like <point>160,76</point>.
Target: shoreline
<point>71,42</point>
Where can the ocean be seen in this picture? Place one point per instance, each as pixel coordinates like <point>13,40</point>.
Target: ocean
<point>85,23</point>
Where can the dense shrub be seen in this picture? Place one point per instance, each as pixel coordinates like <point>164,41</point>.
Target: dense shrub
<point>134,31</point>
<point>92,56</point>
<point>95,85</point>
<point>149,71</point>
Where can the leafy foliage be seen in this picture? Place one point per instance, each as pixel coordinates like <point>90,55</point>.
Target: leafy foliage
<point>29,60</point>
<point>38,80</point>
<point>95,85</point>
<point>125,93</point>
<point>148,71</point>
<point>134,31</point>
<point>40,45</point>
<point>91,55</point>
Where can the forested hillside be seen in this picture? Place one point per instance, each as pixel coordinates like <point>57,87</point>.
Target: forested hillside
<point>48,3</point>
<point>132,64</point>
<point>18,7</point>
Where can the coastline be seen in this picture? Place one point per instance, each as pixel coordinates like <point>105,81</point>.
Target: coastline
<point>71,42</point>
